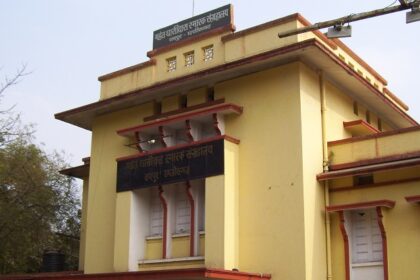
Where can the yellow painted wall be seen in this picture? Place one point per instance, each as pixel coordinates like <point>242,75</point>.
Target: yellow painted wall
<point>339,109</point>
<point>314,205</point>
<point>197,96</point>
<point>257,42</point>
<point>122,231</point>
<point>202,242</point>
<point>127,82</point>
<point>172,265</point>
<point>384,146</point>
<point>214,216</point>
<point>180,246</point>
<point>85,198</point>
<point>270,171</point>
<point>162,73</point>
<point>402,225</point>
<point>170,103</point>
<point>153,249</point>
<point>106,147</point>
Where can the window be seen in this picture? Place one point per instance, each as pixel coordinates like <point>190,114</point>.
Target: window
<point>183,101</point>
<point>355,108</point>
<point>171,64</point>
<point>366,240</point>
<point>156,213</point>
<point>189,59</point>
<point>183,211</point>
<point>210,94</point>
<point>367,116</point>
<point>157,107</point>
<point>208,53</point>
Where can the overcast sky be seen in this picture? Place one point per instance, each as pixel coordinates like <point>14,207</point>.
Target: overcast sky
<point>68,44</point>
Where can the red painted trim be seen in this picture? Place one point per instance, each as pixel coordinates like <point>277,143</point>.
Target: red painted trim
<point>318,33</point>
<point>373,136</point>
<point>361,205</point>
<point>216,125</point>
<point>127,70</point>
<point>229,66</point>
<point>170,274</point>
<point>367,84</point>
<point>413,199</point>
<point>277,22</point>
<point>184,110</point>
<point>359,60</point>
<point>361,123</point>
<point>396,99</point>
<point>81,171</point>
<point>165,222</point>
<point>368,169</point>
<point>162,137</point>
<point>192,218</point>
<point>234,275</point>
<point>188,131</point>
<point>157,151</point>
<point>190,40</point>
<point>138,146</point>
<point>160,122</point>
<point>378,160</point>
<point>381,184</point>
<point>384,242</point>
<point>192,77</point>
<point>254,29</point>
<point>346,244</point>
<point>331,43</point>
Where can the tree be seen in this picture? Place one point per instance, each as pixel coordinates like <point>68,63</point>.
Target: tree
<point>39,208</point>
<point>9,121</point>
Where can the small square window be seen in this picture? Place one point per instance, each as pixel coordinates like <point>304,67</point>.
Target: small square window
<point>355,108</point>
<point>361,180</point>
<point>208,53</point>
<point>379,124</point>
<point>367,116</point>
<point>210,94</point>
<point>157,109</point>
<point>171,63</point>
<point>183,101</point>
<point>189,59</point>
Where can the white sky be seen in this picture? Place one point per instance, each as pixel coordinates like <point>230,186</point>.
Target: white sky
<point>69,43</point>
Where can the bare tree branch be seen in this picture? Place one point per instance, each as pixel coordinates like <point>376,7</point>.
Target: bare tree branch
<point>8,82</point>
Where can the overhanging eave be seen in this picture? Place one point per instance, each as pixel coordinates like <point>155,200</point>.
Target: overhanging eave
<point>311,52</point>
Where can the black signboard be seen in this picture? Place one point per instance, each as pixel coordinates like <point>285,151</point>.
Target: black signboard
<point>179,165</point>
<point>193,26</point>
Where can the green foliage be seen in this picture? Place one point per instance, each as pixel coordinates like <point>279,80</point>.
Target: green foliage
<point>39,208</point>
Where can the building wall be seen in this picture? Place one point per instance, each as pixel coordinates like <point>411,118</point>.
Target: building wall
<point>106,147</point>
<point>271,212</point>
<point>313,191</point>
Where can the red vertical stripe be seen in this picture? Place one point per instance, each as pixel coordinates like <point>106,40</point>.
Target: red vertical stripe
<point>165,222</point>
<point>346,244</point>
<point>384,243</point>
<point>192,222</point>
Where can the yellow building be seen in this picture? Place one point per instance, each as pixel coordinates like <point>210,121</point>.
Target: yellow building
<point>239,155</point>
